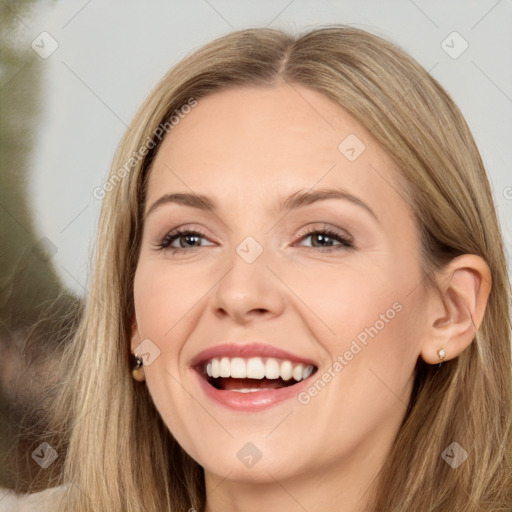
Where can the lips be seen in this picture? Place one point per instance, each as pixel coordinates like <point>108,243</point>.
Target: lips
<point>252,375</point>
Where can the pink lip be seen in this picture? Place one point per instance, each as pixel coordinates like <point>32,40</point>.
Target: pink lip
<point>253,401</point>
<point>247,350</point>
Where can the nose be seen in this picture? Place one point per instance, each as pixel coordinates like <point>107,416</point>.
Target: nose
<point>248,290</point>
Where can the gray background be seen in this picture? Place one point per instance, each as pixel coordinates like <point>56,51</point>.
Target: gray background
<point>111,54</point>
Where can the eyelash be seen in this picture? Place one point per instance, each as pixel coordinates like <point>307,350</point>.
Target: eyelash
<point>168,239</point>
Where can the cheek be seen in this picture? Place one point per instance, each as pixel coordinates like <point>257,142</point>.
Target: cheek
<point>163,296</point>
<point>345,301</point>
<point>368,320</point>
<point>159,308</point>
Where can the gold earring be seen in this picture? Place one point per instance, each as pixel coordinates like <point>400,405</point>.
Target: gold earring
<point>138,371</point>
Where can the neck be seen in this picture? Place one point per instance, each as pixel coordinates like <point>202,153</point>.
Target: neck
<point>347,487</point>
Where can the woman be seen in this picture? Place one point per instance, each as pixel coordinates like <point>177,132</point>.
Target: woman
<point>300,298</point>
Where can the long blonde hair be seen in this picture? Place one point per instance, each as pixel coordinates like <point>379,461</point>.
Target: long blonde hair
<point>120,455</point>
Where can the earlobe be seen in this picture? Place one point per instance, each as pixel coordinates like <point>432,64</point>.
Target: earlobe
<point>465,285</point>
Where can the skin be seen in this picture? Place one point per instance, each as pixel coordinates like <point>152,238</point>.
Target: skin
<point>246,148</point>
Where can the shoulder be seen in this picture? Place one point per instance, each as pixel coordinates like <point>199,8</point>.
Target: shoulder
<point>44,500</point>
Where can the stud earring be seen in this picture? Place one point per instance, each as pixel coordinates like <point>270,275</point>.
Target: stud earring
<point>442,354</point>
<point>137,371</point>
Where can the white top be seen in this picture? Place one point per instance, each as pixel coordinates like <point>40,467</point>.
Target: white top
<point>44,500</point>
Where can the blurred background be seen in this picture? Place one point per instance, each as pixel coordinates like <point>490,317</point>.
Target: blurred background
<point>73,74</point>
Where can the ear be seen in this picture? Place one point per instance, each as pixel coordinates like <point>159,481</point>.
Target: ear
<point>457,312</point>
<point>137,373</point>
<point>135,335</point>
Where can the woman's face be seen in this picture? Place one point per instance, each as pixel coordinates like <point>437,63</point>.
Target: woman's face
<point>265,292</point>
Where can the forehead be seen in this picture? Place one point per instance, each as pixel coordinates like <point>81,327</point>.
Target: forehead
<point>251,144</point>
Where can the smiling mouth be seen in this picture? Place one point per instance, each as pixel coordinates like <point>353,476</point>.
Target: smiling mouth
<point>246,375</point>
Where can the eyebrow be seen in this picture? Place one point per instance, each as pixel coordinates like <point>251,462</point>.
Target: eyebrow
<point>296,200</point>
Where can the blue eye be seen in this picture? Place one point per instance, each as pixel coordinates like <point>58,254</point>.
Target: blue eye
<point>193,237</point>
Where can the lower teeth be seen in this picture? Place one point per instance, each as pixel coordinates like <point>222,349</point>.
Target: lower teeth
<point>251,390</point>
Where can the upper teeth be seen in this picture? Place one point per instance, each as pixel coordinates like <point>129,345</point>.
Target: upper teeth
<point>257,368</point>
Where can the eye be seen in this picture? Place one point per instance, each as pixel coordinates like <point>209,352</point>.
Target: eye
<point>188,236</point>
<point>326,236</point>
